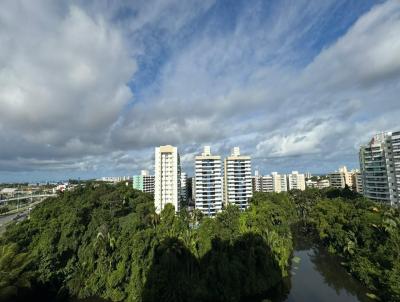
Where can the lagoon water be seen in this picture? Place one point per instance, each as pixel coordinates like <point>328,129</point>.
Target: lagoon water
<point>319,276</point>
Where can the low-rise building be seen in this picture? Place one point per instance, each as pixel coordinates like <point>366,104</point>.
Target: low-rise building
<point>320,183</point>
<point>342,177</point>
<point>323,183</point>
<point>144,182</point>
<point>270,183</point>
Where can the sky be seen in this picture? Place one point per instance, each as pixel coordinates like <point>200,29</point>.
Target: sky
<point>89,88</point>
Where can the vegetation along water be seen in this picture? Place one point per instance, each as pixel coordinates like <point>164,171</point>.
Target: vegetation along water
<point>107,242</point>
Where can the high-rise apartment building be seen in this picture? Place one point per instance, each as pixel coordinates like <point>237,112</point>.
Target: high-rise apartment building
<point>237,179</point>
<point>144,182</point>
<point>167,177</point>
<point>296,181</point>
<point>184,189</point>
<point>380,165</point>
<point>208,182</point>
<point>396,163</point>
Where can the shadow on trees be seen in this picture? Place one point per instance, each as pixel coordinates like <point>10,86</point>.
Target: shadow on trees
<point>304,235</point>
<point>231,271</point>
<point>45,292</point>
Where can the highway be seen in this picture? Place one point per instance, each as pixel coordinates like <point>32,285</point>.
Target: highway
<point>20,215</point>
<point>4,220</point>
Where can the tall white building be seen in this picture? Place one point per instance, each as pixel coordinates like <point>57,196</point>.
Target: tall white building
<point>184,190</point>
<point>237,179</point>
<point>380,168</point>
<point>296,181</point>
<point>167,177</point>
<point>208,182</point>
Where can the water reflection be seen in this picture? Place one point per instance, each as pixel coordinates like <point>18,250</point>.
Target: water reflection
<point>318,276</point>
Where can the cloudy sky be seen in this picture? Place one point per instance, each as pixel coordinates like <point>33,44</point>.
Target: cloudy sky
<point>89,88</point>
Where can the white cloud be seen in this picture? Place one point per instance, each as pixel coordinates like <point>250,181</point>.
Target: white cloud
<point>257,83</point>
<point>64,78</point>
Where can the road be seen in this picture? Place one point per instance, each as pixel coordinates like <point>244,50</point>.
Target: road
<point>4,220</point>
<point>17,216</point>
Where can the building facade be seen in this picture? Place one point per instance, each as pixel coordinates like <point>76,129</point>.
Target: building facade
<point>167,177</point>
<point>279,182</point>
<point>358,182</point>
<point>237,179</point>
<point>339,179</point>
<point>256,182</point>
<point>208,183</point>
<point>379,165</point>
<point>395,141</point>
<point>323,183</point>
<point>318,184</point>
<point>114,179</point>
<point>296,181</point>
<point>143,182</point>
<point>184,189</point>
<point>270,183</point>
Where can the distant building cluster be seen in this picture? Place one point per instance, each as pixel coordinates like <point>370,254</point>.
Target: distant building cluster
<point>114,179</point>
<point>208,190</point>
<point>218,182</point>
<point>276,182</point>
<point>342,178</point>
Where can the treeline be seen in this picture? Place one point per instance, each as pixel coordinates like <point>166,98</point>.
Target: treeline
<point>366,235</point>
<point>107,241</point>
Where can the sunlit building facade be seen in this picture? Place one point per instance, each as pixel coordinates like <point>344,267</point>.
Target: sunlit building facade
<point>380,167</point>
<point>237,179</point>
<point>167,177</point>
<point>208,183</point>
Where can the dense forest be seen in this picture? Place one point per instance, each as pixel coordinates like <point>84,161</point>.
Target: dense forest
<point>107,241</point>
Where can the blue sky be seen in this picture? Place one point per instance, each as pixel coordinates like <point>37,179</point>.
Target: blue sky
<point>89,88</point>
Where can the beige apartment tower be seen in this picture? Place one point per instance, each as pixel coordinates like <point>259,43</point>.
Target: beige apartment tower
<point>167,177</point>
